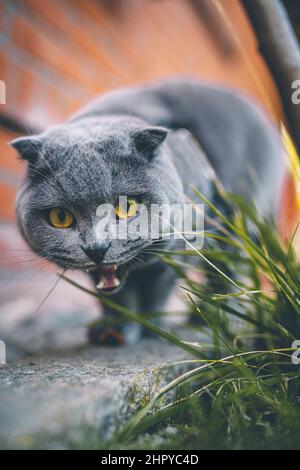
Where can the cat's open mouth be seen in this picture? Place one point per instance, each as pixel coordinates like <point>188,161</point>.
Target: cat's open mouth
<point>109,278</point>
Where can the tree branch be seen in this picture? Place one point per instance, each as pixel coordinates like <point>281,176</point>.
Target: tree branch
<point>279,46</point>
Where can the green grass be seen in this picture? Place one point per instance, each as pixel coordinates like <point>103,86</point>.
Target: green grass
<point>243,391</point>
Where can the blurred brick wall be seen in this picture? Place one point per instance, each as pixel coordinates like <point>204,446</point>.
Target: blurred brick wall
<point>10,174</point>
<point>56,55</point>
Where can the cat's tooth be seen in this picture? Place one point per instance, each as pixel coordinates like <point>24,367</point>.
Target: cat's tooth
<point>100,285</point>
<point>116,282</point>
<point>115,267</point>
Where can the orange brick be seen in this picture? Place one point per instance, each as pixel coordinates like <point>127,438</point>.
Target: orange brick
<point>1,11</point>
<point>8,156</point>
<point>72,106</point>
<point>41,47</point>
<point>2,65</point>
<point>26,82</point>
<point>7,206</point>
<point>289,214</point>
<point>84,43</point>
<point>51,12</point>
<point>35,101</point>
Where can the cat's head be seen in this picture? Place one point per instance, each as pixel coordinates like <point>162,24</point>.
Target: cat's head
<point>74,169</point>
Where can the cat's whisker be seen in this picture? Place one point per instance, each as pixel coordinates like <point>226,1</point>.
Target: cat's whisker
<point>47,177</point>
<point>21,254</point>
<point>16,264</point>
<point>42,274</point>
<point>11,255</point>
<point>18,249</point>
<point>51,290</point>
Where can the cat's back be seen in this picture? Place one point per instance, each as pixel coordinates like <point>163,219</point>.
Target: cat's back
<point>169,102</point>
<point>223,120</point>
<point>233,131</point>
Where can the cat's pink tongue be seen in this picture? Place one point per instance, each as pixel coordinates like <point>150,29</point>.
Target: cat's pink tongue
<point>108,278</point>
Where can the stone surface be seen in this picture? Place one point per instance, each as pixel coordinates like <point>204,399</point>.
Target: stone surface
<point>48,400</point>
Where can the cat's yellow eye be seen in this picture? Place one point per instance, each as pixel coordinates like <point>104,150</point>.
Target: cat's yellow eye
<point>61,218</point>
<point>125,211</point>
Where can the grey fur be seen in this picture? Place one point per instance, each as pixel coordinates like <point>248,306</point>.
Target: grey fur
<point>100,154</point>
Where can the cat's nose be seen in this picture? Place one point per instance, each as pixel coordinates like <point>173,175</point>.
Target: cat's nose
<point>96,251</point>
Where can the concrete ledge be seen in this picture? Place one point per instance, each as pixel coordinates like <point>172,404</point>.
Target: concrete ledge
<point>49,401</point>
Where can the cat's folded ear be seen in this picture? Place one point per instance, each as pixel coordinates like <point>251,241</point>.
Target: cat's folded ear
<point>148,139</point>
<point>28,147</point>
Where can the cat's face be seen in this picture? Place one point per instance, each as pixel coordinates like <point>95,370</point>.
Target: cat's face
<point>75,169</point>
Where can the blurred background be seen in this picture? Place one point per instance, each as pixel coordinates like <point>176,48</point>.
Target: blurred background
<point>55,55</point>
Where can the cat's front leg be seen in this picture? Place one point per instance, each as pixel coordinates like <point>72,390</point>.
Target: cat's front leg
<point>145,291</point>
<point>112,329</point>
<point>153,285</point>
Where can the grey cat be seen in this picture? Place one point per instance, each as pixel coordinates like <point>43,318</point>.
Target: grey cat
<point>129,143</point>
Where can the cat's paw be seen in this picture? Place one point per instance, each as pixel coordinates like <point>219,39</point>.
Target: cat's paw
<point>114,335</point>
